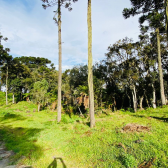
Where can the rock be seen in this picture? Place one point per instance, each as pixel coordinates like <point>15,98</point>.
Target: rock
<point>6,154</point>
<point>23,166</point>
<point>4,163</point>
<point>11,166</point>
<point>4,158</point>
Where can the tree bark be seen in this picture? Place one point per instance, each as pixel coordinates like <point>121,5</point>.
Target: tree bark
<point>147,102</point>
<point>166,9</point>
<point>60,62</point>
<point>134,99</point>
<point>114,104</point>
<point>13,98</point>
<point>160,69</point>
<point>140,103</point>
<point>90,73</point>
<point>154,97</point>
<point>7,85</point>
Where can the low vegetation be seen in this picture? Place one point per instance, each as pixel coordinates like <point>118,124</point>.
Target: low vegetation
<point>38,140</point>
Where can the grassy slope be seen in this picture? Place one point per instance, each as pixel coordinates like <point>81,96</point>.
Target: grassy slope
<point>39,138</point>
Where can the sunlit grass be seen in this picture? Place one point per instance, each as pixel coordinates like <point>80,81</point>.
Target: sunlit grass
<point>39,138</point>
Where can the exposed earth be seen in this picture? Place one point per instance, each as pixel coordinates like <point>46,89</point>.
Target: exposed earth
<point>5,158</point>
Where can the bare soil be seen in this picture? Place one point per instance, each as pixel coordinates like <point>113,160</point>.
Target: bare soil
<point>5,158</point>
<point>135,128</point>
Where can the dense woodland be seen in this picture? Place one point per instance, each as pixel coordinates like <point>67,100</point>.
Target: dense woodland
<point>133,74</point>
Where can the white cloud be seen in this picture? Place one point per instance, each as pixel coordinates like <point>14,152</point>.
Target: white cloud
<point>32,32</point>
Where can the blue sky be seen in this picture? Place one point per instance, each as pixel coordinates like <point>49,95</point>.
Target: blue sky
<point>32,32</point>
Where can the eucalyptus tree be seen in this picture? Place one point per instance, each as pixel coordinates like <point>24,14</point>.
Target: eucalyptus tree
<point>125,54</point>
<point>66,4</point>
<point>148,60</point>
<point>99,74</point>
<point>153,12</point>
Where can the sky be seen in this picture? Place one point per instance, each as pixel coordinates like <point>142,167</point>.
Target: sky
<point>32,32</point>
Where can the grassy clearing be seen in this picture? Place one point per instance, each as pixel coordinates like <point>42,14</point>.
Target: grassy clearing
<point>38,140</point>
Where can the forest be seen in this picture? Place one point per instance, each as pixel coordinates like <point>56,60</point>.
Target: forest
<point>122,98</point>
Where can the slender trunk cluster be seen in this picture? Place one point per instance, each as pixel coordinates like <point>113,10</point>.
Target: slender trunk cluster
<point>90,72</point>
<point>7,85</point>
<point>60,62</point>
<point>160,69</point>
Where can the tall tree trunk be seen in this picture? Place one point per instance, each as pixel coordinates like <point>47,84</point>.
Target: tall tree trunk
<point>114,104</point>
<point>13,98</point>
<point>140,103</point>
<point>60,62</point>
<point>166,10</point>
<point>160,69</point>
<point>147,102</point>
<point>134,99</point>
<point>90,73</point>
<point>7,85</point>
<point>154,97</point>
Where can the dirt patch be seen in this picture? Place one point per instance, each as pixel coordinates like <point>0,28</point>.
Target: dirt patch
<point>5,158</point>
<point>135,128</point>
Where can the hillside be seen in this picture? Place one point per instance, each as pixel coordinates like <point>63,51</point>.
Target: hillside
<point>36,138</point>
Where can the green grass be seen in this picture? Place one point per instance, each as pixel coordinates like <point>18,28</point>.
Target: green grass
<point>39,138</point>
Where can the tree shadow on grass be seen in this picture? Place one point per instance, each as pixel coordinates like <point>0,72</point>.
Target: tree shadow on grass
<point>140,116</point>
<point>22,141</point>
<point>13,117</point>
<point>160,118</point>
<point>55,165</point>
